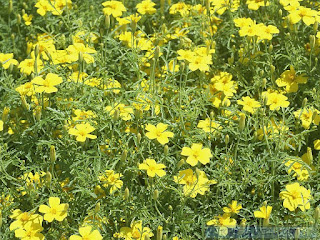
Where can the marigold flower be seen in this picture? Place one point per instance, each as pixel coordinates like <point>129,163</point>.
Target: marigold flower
<point>114,8</point>
<point>249,104</point>
<point>234,207</point>
<point>264,212</point>
<point>48,84</point>
<point>82,131</point>
<point>30,231</point>
<point>197,154</point>
<point>6,59</point>
<point>87,234</point>
<point>296,196</point>
<point>159,132</point>
<point>55,210</point>
<point>152,168</point>
<point>146,7</point>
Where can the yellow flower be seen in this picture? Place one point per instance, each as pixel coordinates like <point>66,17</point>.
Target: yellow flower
<point>194,183</point>
<point>256,4</point>
<point>296,196</point>
<point>223,221</point>
<point>316,144</point>
<point>152,168</point>
<point>277,100</point>
<point>124,111</point>
<point>110,178</point>
<point>1,125</point>
<point>264,212</point>
<point>77,48</point>
<point>48,84</point>
<point>55,210</point>
<point>159,132</point>
<point>6,59</point>
<point>307,116</point>
<point>114,8</point>
<point>197,153</point>
<point>290,80</point>
<point>249,104</point>
<point>26,89</point>
<point>22,218</point>
<point>135,232</point>
<point>208,125</point>
<point>27,19</point>
<point>87,234</point>
<point>233,208</point>
<point>146,7</point>
<point>30,231</point>
<point>82,131</point>
<point>306,14</point>
<point>27,66</point>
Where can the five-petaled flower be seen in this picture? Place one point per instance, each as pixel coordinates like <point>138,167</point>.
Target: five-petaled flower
<point>158,132</point>
<point>82,131</point>
<point>197,154</point>
<point>152,168</point>
<point>55,210</point>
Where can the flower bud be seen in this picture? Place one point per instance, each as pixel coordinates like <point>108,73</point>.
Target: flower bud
<point>10,6</point>
<point>116,115</point>
<point>0,218</point>
<point>166,149</point>
<point>273,68</point>
<point>227,139</point>
<point>146,237</point>
<point>138,138</point>
<point>38,113</point>
<point>155,195</point>
<point>182,66</point>
<point>157,52</point>
<point>180,163</point>
<point>242,121</point>
<point>48,177</point>
<point>24,103</point>
<point>164,237</point>
<point>126,194</point>
<point>162,2</point>
<point>264,83</point>
<point>159,233</point>
<point>107,21</point>
<point>270,48</point>
<point>52,154</point>
<point>169,2</point>
<point>297,233</point>
<point>231,60</point>
<point>18,19</point>
<point>211,115</point>
<point>170,208</point>
<point>315,27</point>
<point>312,40</point>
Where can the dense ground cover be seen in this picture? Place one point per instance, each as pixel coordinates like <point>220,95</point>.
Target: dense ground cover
<point>158,119</point>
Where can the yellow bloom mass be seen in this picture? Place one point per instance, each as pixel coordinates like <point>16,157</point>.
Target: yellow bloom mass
<point>86,233</point>
<point>48,84</point>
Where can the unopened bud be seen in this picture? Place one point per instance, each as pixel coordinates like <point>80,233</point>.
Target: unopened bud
<point>273,68</point>
<point>166,149</point>
<point>133,26</point>
<point>312,40</point>
<point>18,19</point>
<point>227,139</point>
<point>242,122</point>
<point>124,155</point>
<point>264,83</point>
<point>29,47</point>
<point>169,2</point>
<point>126,194</point>
<point>80,58</point>
<point>164,237</point>
<point>159,233</point>
<point>5,114</point>
<point>155,195</point>
<point>309,156</point>
<point>315,27</point>
<point>270,48</point>
<point>231,60</point>
<point>280,12</point>
<point>211,115</point>
<point>24,103</point>
<point>180,163</point>
<point>170,208</point>
<point>107,21</point>
<point>10,6</point>
<point>138,138</point>
<point>53,156</point>
<point>0,218</point>
<point>38,113</point>
<point>13,36</point>
<point>182,66</point>
<point>261,73</point>
<point>48,177</point>
<point>304,102</point>
<point>297,233</point>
